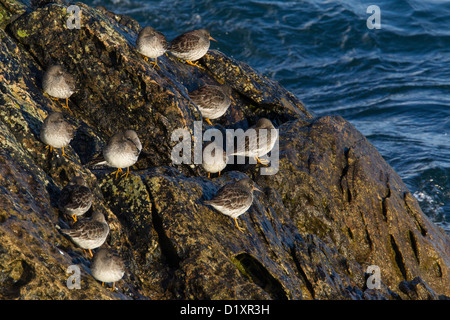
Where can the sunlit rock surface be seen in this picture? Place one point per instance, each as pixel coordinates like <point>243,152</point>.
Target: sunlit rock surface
<point>334,208</point>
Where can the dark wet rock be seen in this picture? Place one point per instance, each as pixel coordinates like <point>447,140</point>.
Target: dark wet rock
<point>417,289</point>
<point>334,208</point>
<point>336,185</point>
<point>9,11</point>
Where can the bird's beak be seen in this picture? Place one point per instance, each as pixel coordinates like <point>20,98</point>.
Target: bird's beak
<point>255,188</point>
<point>211,38</point>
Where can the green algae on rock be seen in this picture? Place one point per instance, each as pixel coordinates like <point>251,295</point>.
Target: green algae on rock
<point>334,208</point>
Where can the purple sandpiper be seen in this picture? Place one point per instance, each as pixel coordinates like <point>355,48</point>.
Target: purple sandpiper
<point>151,44</point>
<point>212,163</point>
<point>234,199</point>
<point>122,151</point>
<point>107,267</point>
<point>58,83</point>
<point>89,233</point>
<point>265,136</point>
<point>76,198</point>
<point>191,46</point>
<point>212,101</point>
<point>56,132</point>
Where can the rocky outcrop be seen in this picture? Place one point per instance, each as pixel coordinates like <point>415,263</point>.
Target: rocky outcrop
<point>334,208</point>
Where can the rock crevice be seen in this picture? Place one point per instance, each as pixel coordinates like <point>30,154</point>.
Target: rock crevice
<point>334,208</point>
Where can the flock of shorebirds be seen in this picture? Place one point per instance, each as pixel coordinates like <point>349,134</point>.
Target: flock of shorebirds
<point>123,149</point>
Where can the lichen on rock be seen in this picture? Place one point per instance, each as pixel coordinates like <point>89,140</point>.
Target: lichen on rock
<point>334,208</point>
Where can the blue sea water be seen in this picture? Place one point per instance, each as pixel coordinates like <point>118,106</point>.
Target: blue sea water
<point>392,83</point>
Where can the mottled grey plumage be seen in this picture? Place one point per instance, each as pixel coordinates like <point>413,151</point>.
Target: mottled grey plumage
<point>89,233</point>
<point>122,150</point>
<point>264,140</point>
<point>151,43</point>
<point>58,83</point>
<point>212,101</point>
<point>210,162</point>
<point>76,198</point>
<point>107,266</point>
<point>56,132</point>
<point>191,45</point>
<point>234,199</point>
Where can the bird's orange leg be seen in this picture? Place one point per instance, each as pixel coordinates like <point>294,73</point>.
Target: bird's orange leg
<point>237,225</point>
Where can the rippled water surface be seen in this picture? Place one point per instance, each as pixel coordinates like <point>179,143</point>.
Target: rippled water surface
<point>392,84</point>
